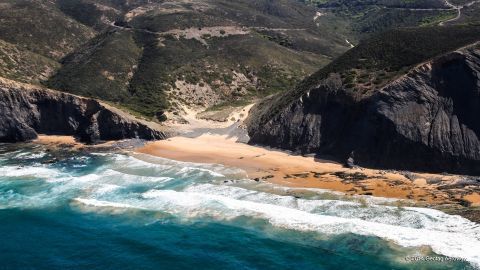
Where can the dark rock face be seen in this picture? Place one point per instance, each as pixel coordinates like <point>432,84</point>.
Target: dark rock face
<point>427,120</point>
<point>27,110</point>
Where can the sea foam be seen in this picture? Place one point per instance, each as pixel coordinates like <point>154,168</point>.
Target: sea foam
<point>458,238</point>
<point>190,191</point>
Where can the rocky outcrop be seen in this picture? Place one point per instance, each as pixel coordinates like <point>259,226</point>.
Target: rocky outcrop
<point>28,110</point>
<point>426,120</point>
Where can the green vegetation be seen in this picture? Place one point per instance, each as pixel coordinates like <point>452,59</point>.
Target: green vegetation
<point>38,26</point>
<point>382,58</point>
<point>89,12</point>
<point>138,69</point>
<point>436,19</point>
<point>34,36</point>
<point>377,19</point>
<point>322,37</point>
<point>390,54</point>
<point>101,69</point>
<point>460,2</point>
<point>19,64</point>
<point>276,44</point>
<point>151,80</point>
<point>367,17</point>
<point>470,14</point>
<point>419,4</point>
<point>132,69</point>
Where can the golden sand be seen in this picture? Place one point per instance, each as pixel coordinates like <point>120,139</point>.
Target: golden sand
<point>473,198</point>
<point>283,168</point>
<point>57,140</point>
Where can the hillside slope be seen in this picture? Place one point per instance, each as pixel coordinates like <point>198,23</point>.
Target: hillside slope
<point>22,65</point>
<point>34,36</point>
<point>159,58</point>
<point>366,17</point>
<point>197,53</point>
<point>422,117</point>
<point>39,26</point>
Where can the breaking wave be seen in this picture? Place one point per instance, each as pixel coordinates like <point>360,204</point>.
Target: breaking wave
<point>123,183</point>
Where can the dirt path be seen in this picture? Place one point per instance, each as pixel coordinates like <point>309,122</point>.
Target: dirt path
<point>449,5</point>
<point>458,9</point>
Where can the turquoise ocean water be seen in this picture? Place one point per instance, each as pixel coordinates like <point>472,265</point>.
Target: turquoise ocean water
<point>71,210</point>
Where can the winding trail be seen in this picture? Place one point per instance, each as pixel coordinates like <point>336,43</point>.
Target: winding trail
<point>458,9</point>
<point>449,5</point>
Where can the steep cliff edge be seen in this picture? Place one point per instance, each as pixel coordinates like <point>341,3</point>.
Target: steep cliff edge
<point>27,110</point>
<point>427,119</point>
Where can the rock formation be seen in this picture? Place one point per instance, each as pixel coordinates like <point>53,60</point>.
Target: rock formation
<point>27,110</point>
<point>427,119</point>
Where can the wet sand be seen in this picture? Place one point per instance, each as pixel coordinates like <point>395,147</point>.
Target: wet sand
<point>69,142</point>
<point>54,139</point>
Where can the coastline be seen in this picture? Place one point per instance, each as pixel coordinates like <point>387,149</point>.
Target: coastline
<point>286,169</point>
<point>282,168</point>
<point>453,194</point>
<point>104,183</point>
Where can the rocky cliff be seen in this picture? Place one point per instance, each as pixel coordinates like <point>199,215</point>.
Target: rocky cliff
<point>425,120</point>
<point>28,110</point>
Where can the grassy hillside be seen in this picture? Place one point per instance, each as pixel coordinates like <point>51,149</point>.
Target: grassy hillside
<point>94,13</point>
<point>154,57</point>
<point>386,3</point>
<point>34,36</point>
<point>366,17</point>
<point>164,55</point>
<point>262,13</point>
<point>470,14</point>
<point>102,68</point>
<point>40,27</point>
<point>132,69</point>
<point>268,17</point>
<point>382,58</point>
<point>22,65</point>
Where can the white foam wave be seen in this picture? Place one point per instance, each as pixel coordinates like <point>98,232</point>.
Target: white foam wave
<point>98,203</point>
<point>30,171</point>
<point>29,155</point>
<point>187,170</point>
<point>408,217</point>
<point>121,185</point>
<point>448,235</point>
<point>107,188</point>
<point>458,241</point>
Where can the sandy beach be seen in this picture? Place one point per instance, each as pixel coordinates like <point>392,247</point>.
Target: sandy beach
<point>282,168</point>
